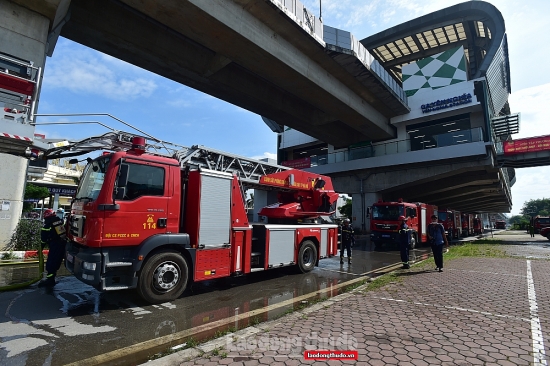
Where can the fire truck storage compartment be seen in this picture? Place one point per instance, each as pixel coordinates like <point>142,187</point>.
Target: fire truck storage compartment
<point>280,243</point>
<point>323,253</point>
<point>212,263</point>
<point>208,208</point>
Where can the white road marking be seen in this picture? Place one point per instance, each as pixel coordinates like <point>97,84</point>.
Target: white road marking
<point>539,354</point>
<point>456,308</point>
<point>484,272</point>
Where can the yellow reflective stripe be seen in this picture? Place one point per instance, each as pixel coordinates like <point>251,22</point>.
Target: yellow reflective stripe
<point>48,229</point>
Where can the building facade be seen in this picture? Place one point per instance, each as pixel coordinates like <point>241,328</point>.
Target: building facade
<point>453,67</point>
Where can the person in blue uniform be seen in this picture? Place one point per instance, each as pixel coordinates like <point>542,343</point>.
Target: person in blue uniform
<point>437,237</point>
<point>404,241</point>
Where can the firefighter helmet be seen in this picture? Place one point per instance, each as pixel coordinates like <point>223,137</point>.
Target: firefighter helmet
<point>401,218</point>
<point>49,212</point>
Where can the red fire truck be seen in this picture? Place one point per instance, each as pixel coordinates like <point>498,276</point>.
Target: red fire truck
<point>457,224</point>
<point>385,221</point>
<point>446,218</point>
<point>467,224</point>
<point>155,223</point>
<point>500,224</point>
<point>478,226</point>
<point>540,222</point>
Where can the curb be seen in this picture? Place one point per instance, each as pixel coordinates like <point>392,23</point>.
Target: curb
<point>23,254</point>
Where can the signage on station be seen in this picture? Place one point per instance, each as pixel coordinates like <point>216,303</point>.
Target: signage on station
<point>298,163</point>
<point>447,103</point>
<point>532,144</point>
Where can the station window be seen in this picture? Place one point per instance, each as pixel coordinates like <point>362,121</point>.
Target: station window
<point>445,132</point>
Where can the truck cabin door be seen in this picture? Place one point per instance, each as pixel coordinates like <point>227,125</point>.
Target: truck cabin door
<point>143,208</point>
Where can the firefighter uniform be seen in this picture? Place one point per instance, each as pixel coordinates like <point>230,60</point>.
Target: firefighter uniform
<point>53,235</point>
<point>404,242</point>
<point>347,239</point>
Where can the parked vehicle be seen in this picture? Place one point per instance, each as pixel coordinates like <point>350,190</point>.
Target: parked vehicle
<point>144,221</point>
<point>541,222</point>
<point>500,224</point>
<point>385,222</point>
<point>478,226</point>
<point>545,231</point>
<point>467,224</point>
<point>446,218</point>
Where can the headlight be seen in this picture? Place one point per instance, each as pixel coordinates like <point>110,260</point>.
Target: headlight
<point>88,266</point>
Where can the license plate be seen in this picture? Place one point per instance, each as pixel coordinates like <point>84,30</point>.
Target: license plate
<point>69,258</point>
<point>385,236</point>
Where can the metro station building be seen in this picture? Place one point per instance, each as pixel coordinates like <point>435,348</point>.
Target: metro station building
<point>451,69</point>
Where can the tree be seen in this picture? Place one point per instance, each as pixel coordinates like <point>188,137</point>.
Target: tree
<point>519,222</point>
<point>250,201</point>
<point>34,192</point>
<point>536,207</point>
<point>345,209</point>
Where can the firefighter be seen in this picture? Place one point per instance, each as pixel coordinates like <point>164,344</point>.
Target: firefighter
<point>404,241</point>
<point>53,235</point>
<point>437,237</point>
<point>347,240</point>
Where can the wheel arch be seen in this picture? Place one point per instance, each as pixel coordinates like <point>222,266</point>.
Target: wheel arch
<point>165,242</point>
<point>315,242</point>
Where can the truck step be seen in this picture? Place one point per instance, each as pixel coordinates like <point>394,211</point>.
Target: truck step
<point>115,288</point>
<point>118,264</point>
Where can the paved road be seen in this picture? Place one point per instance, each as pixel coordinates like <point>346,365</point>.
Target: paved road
<point>76,324</point>
<point>478,311</point>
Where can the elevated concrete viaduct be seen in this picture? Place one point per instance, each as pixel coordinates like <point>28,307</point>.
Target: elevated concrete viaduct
<point>248,53</point>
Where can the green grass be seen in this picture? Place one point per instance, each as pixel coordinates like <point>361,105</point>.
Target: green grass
<point>480,248</point>
<point>476,250</point>
<point>382,281</point>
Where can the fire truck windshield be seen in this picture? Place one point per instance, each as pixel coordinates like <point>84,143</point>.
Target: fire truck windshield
<point>92,179</point>
<point>442,216</point>
<point>387,212</point>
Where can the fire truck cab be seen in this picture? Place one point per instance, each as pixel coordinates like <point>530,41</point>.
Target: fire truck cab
<point>385,222</point>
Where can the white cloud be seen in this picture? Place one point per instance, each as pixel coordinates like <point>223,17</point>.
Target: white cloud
<point>265,155</point>
<point>83,71</point>
<point>533,104</point>
<point>531,183</point>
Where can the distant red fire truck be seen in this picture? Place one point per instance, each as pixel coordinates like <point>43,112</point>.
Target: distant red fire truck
<point>385,221</point>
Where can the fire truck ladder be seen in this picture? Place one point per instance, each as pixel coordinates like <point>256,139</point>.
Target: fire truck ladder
<point>111,141</point>
<point>248,170</point>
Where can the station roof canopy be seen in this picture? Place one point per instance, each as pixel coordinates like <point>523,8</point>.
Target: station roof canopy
<point>476,25</point>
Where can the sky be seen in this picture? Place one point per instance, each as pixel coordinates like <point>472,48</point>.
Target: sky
<point>78,79</point>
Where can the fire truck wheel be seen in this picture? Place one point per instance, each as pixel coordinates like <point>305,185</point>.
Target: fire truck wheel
<point>163,277</point>
<point>412,245</point>
<point>307,256</point>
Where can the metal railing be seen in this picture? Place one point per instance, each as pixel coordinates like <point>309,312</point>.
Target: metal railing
<point>398,147</point>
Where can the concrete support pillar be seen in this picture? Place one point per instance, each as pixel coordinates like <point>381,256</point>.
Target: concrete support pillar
<point>361,207</point>
<point>261,199</point>
<point>23,35</point>
<point>13,171</point>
